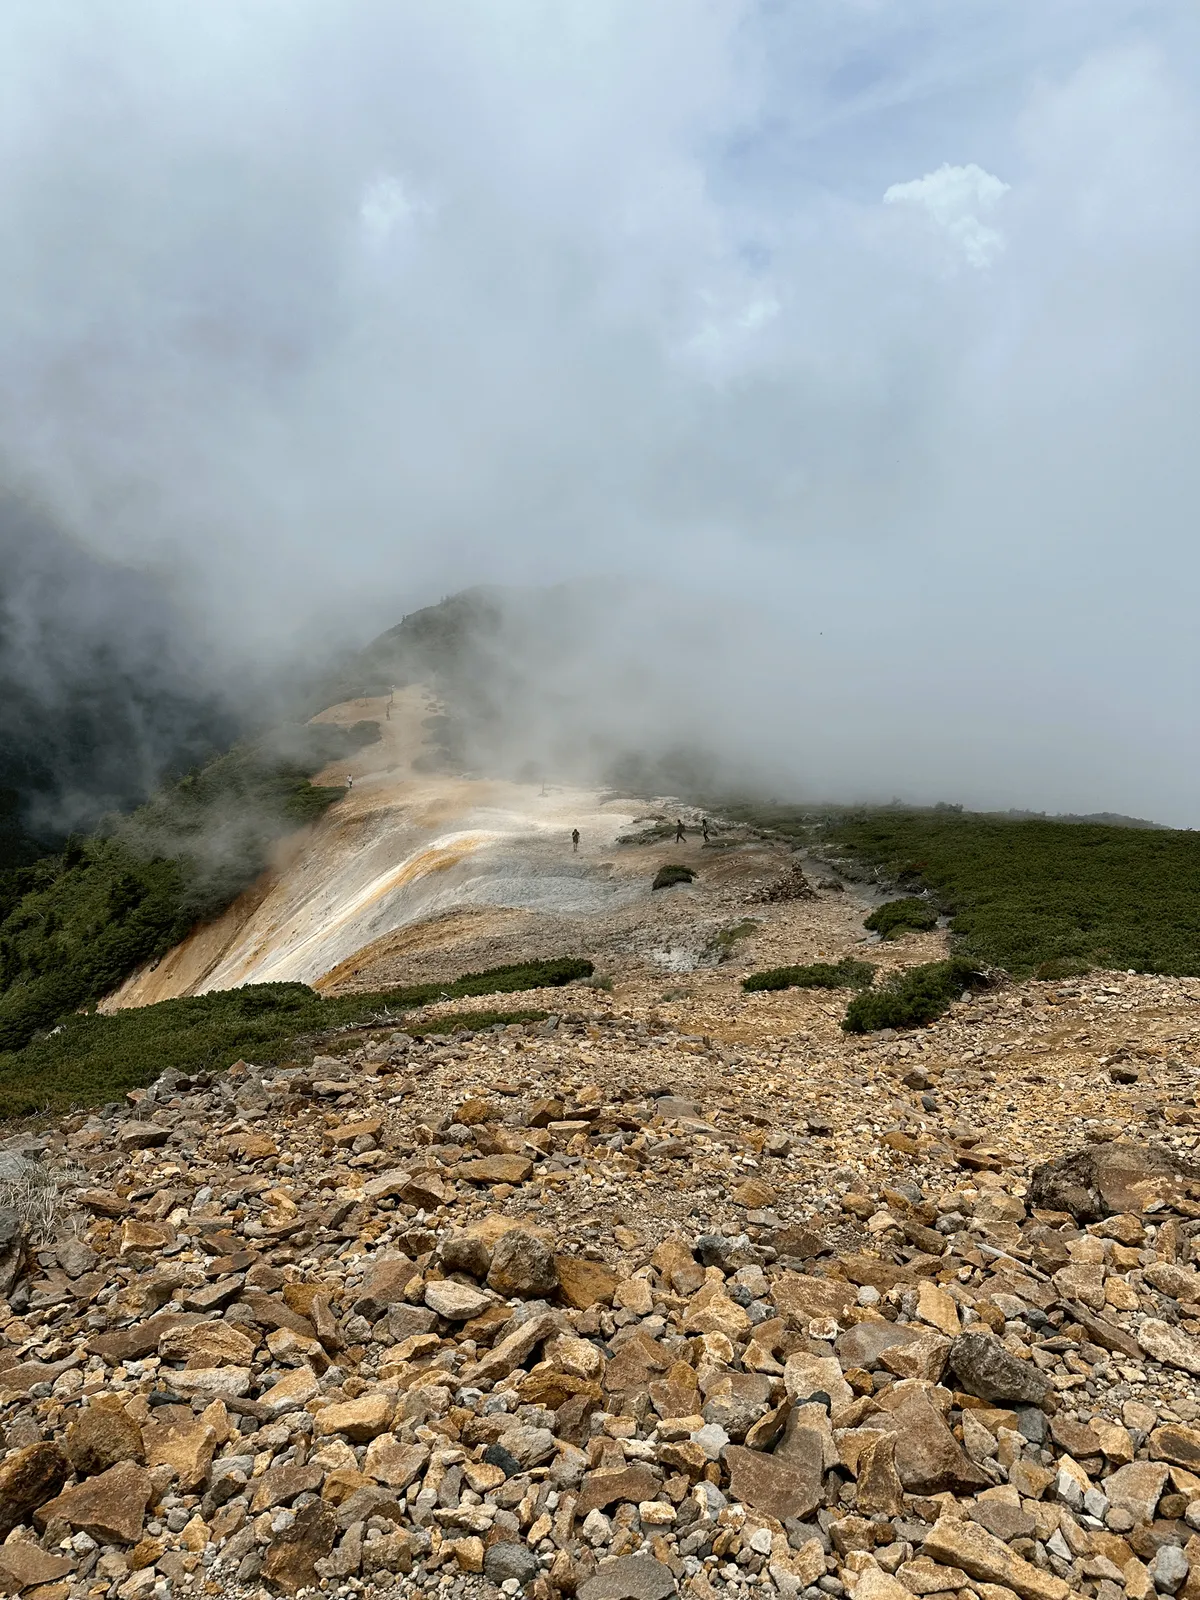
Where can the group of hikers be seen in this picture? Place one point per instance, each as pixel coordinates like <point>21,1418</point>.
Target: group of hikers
<point>680,833</point>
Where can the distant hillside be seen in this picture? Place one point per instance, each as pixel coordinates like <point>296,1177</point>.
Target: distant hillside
<point>74,925</point>
<point>565,682</point>
<point>98,688</point>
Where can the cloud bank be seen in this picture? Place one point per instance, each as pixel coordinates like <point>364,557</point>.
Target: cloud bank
<point>866,327</point>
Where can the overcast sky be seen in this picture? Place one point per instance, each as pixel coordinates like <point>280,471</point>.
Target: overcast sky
<point>872,322</point>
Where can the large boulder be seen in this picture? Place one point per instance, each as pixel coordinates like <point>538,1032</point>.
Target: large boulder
<point>522,1266</point>
<point>28,1478</point>
<point>985,1369</point>
<point>1109,1179</point>
<point>102,1436</point>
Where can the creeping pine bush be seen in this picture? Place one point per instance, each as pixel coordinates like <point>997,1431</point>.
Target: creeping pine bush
<point>895,917</point>
<point>90,1058</point>
<point>665,877</point>
<point>847,974</point>
<point>1023,892</point>
<point>1063,967</point>
<point>910,998</point>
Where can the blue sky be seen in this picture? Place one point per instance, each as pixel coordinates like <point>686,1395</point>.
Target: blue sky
<point>872,325</point>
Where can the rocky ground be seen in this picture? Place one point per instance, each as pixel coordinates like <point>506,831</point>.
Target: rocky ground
<point>680,1291</point>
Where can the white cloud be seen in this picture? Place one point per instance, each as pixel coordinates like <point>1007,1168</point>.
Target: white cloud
<point>387,205</point>
<point>656,321</point>
<point>956,199</point>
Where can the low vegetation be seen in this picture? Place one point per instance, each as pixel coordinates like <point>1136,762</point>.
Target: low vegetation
<point>845,974</point>
<point>89,1059</point>
<point>1024,891</point>
<point>723,944</point>
<point>471,1022</point>
<point>498,980</point>
<point>910,998</point>
<point>73,926</point>
<point>667,877</point>
<point>897,917</point>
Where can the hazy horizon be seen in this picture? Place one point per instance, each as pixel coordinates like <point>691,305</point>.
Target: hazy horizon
<point>856,341</point>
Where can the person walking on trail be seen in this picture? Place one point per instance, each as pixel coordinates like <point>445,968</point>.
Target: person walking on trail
<point>574,840</point>
<point>349,780</point>
<point>679,830</point>
<point>704,828</point>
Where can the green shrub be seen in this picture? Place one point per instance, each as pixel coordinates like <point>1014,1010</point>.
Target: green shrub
<point>847,974</point>
<point>1062,967</point>
<point>472,1021</point>
<point>910,998</point>
<point>896,917</point>
<point>665,877</point>
<point>724,942</point>
<point>1023,892</point>
<point>499,980</point>
<point>90,1059</point>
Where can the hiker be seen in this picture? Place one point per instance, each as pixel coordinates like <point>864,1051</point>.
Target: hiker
<point>574,840</point>
<point>679,830</point>
<point>349,780</point>
<point>704,828</point>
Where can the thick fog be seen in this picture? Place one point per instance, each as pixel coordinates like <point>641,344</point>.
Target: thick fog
<point>859,337</point>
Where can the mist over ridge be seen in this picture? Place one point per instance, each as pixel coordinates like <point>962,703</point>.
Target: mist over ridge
<point>840,361</point>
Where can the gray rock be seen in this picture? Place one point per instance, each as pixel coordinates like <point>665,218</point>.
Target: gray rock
<point>984,1368</point>
<point>503,1561</point>
<point>629,1578</point>
<point>522,1265</point>
<point>1169,1569</point>
<point>529,1447</point>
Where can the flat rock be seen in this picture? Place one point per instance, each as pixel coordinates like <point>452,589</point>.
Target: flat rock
<point>984,1557</point>
<point>603,1489</point>
<point>457,1302</point>
<point>1106,1179</point>
<point>862,1345</point>
<point>777,1487</point>
<point>291,1559</point>
<point>100,1437</point>
<point>28,1478</point>
<point>293,1391</point>
<point>143,1136</point>
<point>111,1507</point>
<point>585,1283</point>
<point>24,1565</point>
<point>629,1578</point>
<point>1177,1444</point>
<point>188,1447</point>
<point>495,1169</point>
<point>522,1267</point>
<point>359,1420</point>
<point>1166,1344</point>
<point>1136,1488</point>
<point>802,1299</point>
